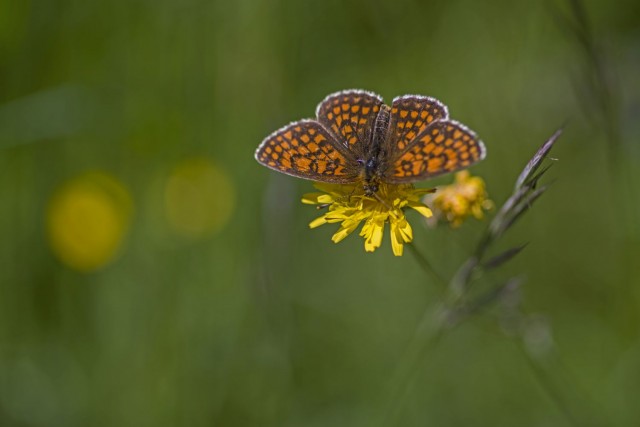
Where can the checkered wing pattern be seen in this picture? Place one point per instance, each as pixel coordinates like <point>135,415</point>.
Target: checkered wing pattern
<point>305,149</point>
<point>410,116</point>
<point>350,115</point>
<point>444,146</point>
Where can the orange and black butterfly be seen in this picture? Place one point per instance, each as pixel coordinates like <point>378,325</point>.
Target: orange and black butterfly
<point>356,138</point>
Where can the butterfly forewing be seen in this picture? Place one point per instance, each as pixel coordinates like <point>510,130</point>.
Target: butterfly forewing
<point>444,146</point>
<point>305,149</point>
<point>410,116</point>
<point>350,116</point>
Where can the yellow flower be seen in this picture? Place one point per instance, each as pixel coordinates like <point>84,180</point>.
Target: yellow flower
<point>87,220</point>
<point>455,202</point>
<point>199,198</point>
<point>350,206</point>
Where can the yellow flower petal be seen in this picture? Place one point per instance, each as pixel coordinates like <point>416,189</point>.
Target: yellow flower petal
<point>344,231</point>
<point>316,198</point>
<point>340,215</point>
<point>405,230</point>
<point>421,208</point>
<point>396,240</point>
<point>318,222</point>
<point>373,231</point>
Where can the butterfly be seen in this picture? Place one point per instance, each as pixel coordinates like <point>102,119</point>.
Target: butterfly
<point>356,138</point>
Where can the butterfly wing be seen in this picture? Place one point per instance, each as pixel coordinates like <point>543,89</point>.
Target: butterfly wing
<point>444,146</point>
<point>350,116</point>
<point>305,149</point>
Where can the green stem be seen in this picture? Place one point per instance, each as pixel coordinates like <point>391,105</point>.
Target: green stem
<point>550,388</point>
<point>426,265</point>
<point>426,336</point>
<point>411,363</point>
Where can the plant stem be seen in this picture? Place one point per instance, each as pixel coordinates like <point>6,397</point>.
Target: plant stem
<point>426,265</point>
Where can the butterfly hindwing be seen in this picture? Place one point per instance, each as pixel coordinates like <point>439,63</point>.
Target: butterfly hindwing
<point>444,146</point>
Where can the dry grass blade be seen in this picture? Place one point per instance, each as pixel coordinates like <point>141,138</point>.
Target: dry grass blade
<point>536,160</point>
<point>504,257</point>
<point>517,211</point>
<point>457,315</point>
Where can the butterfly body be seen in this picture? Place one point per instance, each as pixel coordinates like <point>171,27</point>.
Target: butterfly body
<point>375,156</point>
<point>356,138</point>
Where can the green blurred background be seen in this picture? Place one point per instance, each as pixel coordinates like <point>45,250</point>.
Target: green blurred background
<point>153,274</point>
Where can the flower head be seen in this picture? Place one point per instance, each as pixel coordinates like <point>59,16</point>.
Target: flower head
<point>87,220</point>
<point>199,198</point>
<point>350,206</point>
<point>455,202</point>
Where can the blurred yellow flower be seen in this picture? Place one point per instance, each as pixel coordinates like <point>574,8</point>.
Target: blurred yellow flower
<point>199,198</point>
<point>455,202</point>
<point>87,219</point>
<point>349,205</point>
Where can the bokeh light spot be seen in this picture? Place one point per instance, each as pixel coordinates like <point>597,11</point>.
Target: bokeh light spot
<point>87,219</point>
<point>199,198</point>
